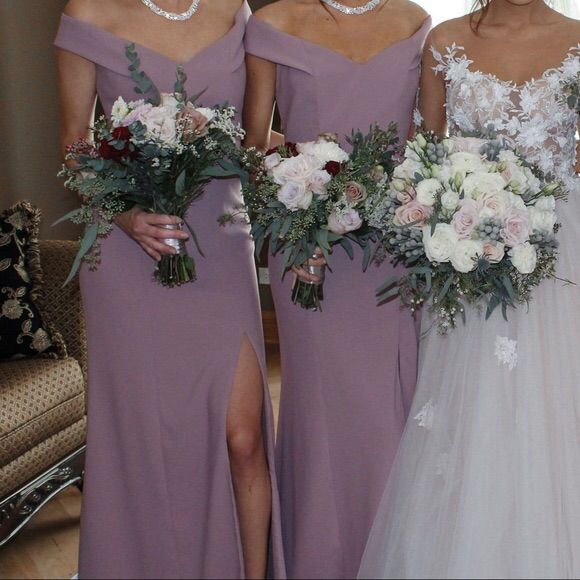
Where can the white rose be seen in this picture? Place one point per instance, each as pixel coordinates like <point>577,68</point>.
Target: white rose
<point>479,183</point>
<point>324,151</point>
<point>542,221</point>
<point>208,113</point>
<point>440,244</point>
<point>465,255</point>
<point>272,160</point>
<point>547,203</point>
<point>119,112</point>
<point>343,221</point>
<point>299,169</point>
<point>450,200</point>
<point>514,200</point>
<point>407,169</point>
<point>170,102</point>
<point>534,183</point>
<point>494,205</point>
<point>465,163</point>
<point>160,124</point>
<point>427,191</point>
<point>318,182</point>
<point>295,195</point>
<point>524,258</point>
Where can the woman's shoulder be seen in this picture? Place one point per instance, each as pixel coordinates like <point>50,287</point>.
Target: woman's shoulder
<point>455,31</point>
<point>98,13</point>
<point>282,13</point>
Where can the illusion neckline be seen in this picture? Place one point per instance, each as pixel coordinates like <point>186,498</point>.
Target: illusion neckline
<point>237,19</point>
<point>516,87</point>
<point>340,55</point>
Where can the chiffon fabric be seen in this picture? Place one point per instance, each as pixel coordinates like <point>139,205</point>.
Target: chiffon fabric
<point>486,481</point>
<point>158,500</point>
<point>348,372</point>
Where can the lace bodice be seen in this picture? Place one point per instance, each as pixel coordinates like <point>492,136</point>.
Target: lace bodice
<point>531,117</point>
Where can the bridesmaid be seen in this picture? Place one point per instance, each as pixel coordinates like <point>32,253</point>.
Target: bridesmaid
<point>349,372</point>
<point>179,475</point>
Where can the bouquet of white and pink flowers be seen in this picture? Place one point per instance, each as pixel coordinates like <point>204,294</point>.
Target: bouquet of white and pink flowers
<point>158,154</point>
<point>472,221</point>
<point>313,195</point>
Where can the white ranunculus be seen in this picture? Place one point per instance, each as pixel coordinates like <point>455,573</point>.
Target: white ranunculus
<point>427,191</point>
<point>465,255</point>
<point>295,195</point>
<point>542,221</point>
<point>324,151</point>
<point>343,221</point>
<point>481,182</point>
<point>119,112</point>
<point>465,163</point>
<point>524,258</point>
<point>440,245</point>
<point>546,203</point>
<point>272,160</point>
<point>298,169</point>
<point>450,200</point>
<point>407,169</point>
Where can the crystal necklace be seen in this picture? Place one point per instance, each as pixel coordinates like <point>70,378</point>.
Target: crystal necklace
<point>371,5</point>
<point>172,15</point>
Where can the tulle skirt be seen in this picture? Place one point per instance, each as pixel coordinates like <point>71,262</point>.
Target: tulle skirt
<point>487,480</point>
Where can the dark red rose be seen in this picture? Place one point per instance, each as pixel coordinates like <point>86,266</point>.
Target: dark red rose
<point>292,149</point>
<point>107,151</point>
<point>272,151</point>
<point>333,167</point>
<point>121,133</point>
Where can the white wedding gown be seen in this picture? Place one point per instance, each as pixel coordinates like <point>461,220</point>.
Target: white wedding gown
<point>487,480</point>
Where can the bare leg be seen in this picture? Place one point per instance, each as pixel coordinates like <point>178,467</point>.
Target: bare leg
<point>250,474</point>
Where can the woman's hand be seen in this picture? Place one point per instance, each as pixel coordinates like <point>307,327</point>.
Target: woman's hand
<point>145,228</point>
<point>303,275</point>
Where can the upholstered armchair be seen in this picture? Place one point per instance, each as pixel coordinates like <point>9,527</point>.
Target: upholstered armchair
<point>42,405</point>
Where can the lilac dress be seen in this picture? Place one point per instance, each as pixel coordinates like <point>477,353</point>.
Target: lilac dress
<point>158,496</point>
<point>349,372</point>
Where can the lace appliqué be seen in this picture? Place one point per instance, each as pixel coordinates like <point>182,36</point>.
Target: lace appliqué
<point>531,117</point>
<point>426,416</point>
<point>506,352</point>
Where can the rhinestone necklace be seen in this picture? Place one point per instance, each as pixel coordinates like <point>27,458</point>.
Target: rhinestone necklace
<point>172,15</point>
<point>348,10</point>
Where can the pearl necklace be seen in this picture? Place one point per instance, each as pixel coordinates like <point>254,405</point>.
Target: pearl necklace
<point>371,5</point>
<point>172,15</point>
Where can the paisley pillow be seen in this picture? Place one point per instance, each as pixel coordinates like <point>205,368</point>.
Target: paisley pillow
<point>24,332</point>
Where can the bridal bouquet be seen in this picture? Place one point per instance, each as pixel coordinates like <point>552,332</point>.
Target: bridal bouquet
<point>472,221</point>
<point>572,91</point>
<point>157,154</point>
<point>313,195</point>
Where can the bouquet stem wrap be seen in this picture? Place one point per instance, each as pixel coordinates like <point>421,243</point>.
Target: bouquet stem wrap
<point>177,269</point>
<point>309,295</point>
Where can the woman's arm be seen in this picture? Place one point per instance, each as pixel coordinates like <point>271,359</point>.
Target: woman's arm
<point>78,93</point>
<point>259,102</point>
<point>433,93</point>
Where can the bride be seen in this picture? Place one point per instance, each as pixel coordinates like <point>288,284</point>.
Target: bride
<point>487,481</point>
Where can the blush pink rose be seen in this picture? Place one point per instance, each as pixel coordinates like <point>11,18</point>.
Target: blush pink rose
<point>516,228</point>
<point>413,213</point>
<point>355,193</point>
<point>494,253</point>
<point>465,220</point>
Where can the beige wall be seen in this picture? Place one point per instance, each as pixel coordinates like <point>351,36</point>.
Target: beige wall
<point>29,143</point>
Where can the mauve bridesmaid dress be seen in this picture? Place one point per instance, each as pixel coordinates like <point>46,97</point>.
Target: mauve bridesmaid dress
<point>349,372</point>
<point>158,495</point>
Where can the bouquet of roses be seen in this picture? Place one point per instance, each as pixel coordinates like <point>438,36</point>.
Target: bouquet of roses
<point>312,195</point>
<point>158,154</point>
<point>472,221</point>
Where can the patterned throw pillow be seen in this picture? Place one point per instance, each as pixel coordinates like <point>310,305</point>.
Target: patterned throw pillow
<point>23,331</point>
